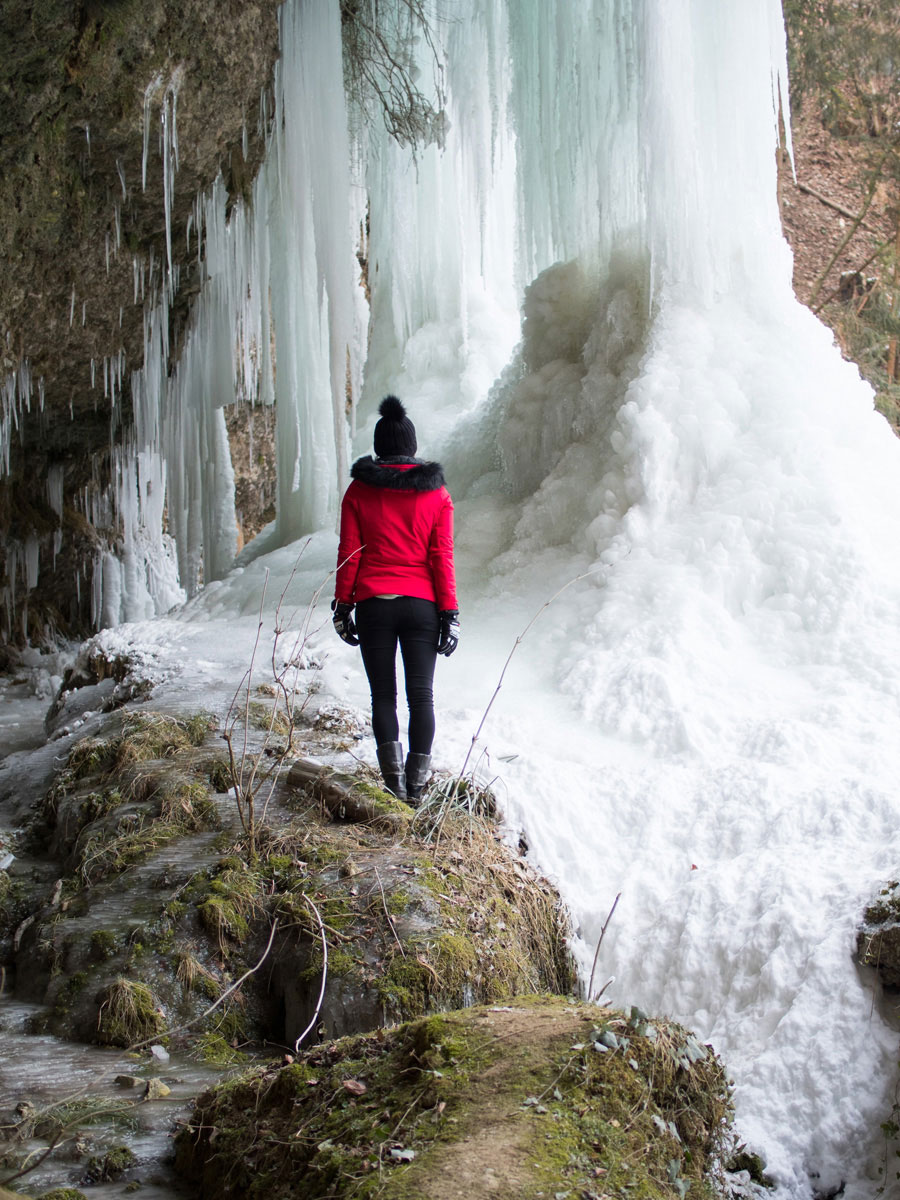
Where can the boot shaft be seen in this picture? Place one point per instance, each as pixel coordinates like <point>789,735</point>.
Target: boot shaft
<point>418,769</point>
<point>390,760</point>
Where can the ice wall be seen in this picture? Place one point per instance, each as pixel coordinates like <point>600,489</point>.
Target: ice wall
<point>278,284</point>
<point>443,237</point>
<point>725,683</point>
<point>704,723</point>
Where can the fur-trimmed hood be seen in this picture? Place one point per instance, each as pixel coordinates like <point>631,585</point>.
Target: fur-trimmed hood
<point>417,476</point>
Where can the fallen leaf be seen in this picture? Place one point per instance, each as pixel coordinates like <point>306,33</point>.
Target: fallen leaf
<point>354,1087</point>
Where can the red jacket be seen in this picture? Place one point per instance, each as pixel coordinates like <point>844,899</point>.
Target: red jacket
<point>396,533</point>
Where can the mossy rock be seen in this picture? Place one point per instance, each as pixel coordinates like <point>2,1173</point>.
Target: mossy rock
<point>412,927</point>
<point>129,1013</point>
<point>108,1167</point>
<point>878,939</point>
<point>516,1102</point>
<point>136,936</point>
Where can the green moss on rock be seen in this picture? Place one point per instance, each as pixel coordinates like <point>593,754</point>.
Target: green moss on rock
<point>524,1101</point>
<point>129,1013</point>
<point>108,1167</point>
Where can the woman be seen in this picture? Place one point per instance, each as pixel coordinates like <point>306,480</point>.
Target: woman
<point>395,564</point>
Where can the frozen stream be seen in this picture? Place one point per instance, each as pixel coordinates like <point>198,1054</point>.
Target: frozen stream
<point>45,1071</point>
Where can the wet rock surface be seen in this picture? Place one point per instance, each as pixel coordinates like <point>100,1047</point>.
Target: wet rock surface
<point>81,204</point>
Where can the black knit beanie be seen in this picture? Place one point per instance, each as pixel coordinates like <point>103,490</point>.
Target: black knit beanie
<point>395,434</point>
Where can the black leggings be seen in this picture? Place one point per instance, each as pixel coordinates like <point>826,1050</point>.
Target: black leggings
<point>415,624</point>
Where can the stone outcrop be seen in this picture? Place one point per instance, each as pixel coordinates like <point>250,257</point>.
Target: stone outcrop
<point>878,939</point>
<point>534,1098</point>
<point>78,228</point>
<point>136,900</point>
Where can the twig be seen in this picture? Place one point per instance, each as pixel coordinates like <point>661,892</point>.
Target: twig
<point>597,951</point>
<point>315,1015</point>
<point>611,979</point>
<point>845,240</point>
<point>845,212</point>
<point>862,266</point>
<point>212,1008</point>
<point>388,915</point>
<point>27,1169</point>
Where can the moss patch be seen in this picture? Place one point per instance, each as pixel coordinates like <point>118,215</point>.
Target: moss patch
<point>106,1168</point>
<point>129,1013</point>
<point>519,1102</point>
<point>144,736</point>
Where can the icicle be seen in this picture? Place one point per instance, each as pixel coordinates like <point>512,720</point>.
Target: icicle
<point>121,170</point>
<point>117,218</point>
<point>24,384</point>
<point>176,466</point>
<point>262,123</point>
<point>149,92</point>
<point>55,478</point>
<point>169,134</point>
<point>32,561</point>
<point>87,134</point>
<point>93,372</point>
<point>107,253</point>
<point>83,313</point>
<point>72,307</point>
<point>12,570</point>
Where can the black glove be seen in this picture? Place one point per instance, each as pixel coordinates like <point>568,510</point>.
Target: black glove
<point>343,622</point>
<point>448,637</point>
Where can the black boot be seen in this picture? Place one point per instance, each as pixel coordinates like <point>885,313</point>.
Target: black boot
<point>418,767</point>
<point>390,759</point>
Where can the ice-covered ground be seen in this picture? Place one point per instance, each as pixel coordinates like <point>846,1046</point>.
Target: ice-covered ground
<point>706,722</point>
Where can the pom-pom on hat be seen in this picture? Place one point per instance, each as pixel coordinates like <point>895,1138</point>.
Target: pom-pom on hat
<point>395,434</point>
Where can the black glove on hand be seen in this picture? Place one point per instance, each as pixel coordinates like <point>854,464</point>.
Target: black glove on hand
<point>448,638</point>
<point>343,622</point>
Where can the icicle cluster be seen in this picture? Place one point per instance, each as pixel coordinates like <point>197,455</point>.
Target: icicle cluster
<point>275,273</point>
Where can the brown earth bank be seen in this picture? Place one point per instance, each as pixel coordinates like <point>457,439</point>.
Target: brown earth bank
<point>538,1098</point>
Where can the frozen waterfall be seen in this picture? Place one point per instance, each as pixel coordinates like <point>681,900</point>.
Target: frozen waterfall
<point>706,721</point>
